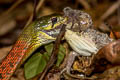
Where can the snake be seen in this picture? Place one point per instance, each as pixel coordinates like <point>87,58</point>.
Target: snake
<point>42,31</point>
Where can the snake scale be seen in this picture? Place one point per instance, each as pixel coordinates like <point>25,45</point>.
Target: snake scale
<point>42,31</point>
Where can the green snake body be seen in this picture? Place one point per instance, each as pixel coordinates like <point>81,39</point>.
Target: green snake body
<point>40,32</point>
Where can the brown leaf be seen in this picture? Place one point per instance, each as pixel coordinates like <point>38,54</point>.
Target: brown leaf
<point>110,52</point>
<point>115,35</point>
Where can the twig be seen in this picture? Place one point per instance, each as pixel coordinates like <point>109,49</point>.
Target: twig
<point>54,52</point>
<point>119,14</point>
<point>110,10</point>
<point>13,6</point>
<point>35,11</point>
<point>85,4</point>
<point>39,5</point>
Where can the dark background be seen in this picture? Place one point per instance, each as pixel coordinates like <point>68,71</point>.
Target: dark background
<point>15,14</point>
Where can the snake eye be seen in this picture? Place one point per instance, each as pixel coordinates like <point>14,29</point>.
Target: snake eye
<point>54,20</point>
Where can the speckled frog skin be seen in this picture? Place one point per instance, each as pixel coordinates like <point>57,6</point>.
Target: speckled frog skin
<point>89,40</point>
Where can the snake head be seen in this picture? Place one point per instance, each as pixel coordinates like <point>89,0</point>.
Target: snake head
<point>50,24</point>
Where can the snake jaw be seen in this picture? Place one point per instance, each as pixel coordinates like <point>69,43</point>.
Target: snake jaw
<point>53,32</point>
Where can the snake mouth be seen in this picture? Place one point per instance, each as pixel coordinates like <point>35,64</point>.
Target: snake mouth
<point>53,32</point>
